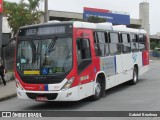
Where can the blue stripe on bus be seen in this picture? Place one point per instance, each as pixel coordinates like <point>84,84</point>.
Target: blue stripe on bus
<point>46,87</point>
<point>115,65</point>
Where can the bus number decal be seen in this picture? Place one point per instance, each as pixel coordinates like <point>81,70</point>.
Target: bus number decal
<point>84,78</point>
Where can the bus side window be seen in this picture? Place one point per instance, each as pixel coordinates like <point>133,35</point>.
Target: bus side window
<point>142,42</point>
<point>134,43</point>
<point>101,44</point>
<point>97,45</point>
<point>126,46</point>
<point>114,45</point>
<point>83,49</point>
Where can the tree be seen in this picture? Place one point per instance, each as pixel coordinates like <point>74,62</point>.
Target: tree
<point>158,46</point>
<point>22,14</point>
<point>34,13</point>
<point>94,19</point>
<point>154,45</point>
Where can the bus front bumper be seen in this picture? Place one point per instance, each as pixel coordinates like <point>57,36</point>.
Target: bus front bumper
<point>61,95</point>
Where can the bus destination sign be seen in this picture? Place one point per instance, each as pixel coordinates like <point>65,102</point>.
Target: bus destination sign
<point>47,30</point>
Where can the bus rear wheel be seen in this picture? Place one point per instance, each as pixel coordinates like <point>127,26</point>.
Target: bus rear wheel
<point>135,77</point>
<point>98,90</point>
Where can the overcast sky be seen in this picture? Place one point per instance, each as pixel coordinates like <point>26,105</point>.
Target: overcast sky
<point>130,6</point>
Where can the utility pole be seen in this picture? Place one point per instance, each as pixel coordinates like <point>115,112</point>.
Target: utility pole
<point>46,11</point>
<point>1,9</point>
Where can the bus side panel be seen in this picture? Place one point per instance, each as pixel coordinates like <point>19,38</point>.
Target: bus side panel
<point>74,71</point>
<point>128,64</point>
<point>120,78</point>
<point>145,53</point>
<point>145,62</point>
<point>108,66</point>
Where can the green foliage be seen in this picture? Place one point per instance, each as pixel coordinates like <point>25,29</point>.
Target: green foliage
<point>94,19</point>
<point>154,45</point>
<point>22,14</point>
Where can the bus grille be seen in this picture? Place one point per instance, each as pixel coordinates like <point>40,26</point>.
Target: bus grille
<point>49,96</point>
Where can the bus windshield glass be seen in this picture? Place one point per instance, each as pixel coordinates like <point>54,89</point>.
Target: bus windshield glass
<point>44,57</point>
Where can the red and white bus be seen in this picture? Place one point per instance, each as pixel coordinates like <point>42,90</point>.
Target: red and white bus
<point>69,61</point>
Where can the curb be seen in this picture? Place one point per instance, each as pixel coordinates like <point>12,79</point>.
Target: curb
<point>8,97</point>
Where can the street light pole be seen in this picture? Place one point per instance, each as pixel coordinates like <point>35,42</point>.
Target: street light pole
<point>1,10</point>
<point>46,11</point>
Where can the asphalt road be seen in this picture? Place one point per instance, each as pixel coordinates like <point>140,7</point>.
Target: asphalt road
<point>145,96</point>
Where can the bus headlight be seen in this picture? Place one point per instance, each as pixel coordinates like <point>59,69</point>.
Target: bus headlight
<point>18,84</point>
<point>68,84</point>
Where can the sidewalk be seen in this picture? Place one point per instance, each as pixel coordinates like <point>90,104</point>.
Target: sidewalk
<point>8,91</point>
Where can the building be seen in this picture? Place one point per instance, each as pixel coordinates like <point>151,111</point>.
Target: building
<point>6,31</point>
<point>142,22</point>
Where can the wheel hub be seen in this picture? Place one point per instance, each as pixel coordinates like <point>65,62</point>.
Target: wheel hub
<point>97,89</point>
<point>135,76</point>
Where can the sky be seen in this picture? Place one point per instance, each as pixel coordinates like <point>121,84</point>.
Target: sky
<point>129,6</point>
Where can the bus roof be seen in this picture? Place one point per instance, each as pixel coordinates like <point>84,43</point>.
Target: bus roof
<point>100,26</point>
<point>77,24</point>
<point>48,23</point>
<point>124,28</point>
<point>96,26</point>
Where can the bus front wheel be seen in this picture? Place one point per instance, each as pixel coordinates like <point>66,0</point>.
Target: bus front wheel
<point>98,90</point>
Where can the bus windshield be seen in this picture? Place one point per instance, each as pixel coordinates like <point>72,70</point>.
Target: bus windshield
<point>44,57</point>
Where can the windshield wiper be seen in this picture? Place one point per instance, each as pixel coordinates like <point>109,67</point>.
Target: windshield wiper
<point>51,46</point>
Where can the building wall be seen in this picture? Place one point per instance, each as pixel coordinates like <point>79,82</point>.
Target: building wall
<point>5,38</point>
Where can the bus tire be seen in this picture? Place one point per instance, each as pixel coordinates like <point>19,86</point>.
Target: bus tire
<point>135,76</point>
<point>98,90</point>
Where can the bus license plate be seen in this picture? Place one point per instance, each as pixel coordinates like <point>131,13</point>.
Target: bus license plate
<point>41,99</point>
